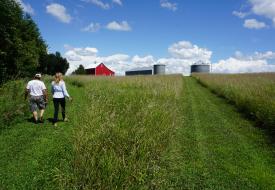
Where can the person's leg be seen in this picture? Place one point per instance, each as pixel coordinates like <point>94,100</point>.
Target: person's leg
<point>56,107</point>
<point>41,115</point>
<point>42,106</point>
<point>33,108</point>
<point>35,116</point>
<point>63,108</point>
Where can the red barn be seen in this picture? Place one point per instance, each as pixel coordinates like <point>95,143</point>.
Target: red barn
<point>99,70</point>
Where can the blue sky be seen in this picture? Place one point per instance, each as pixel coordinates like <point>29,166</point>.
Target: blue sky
<point>178,32</point>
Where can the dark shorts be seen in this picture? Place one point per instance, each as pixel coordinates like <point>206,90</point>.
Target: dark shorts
<point>37,102</point>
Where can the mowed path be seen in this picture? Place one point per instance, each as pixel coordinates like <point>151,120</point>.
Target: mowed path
<point>214,147</point>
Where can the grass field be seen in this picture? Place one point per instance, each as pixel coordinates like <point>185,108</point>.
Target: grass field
<point>253,94</point>
<point>165,132</point>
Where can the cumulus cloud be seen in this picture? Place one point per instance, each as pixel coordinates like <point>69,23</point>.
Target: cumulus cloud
<point>234,65</point>
<point>99,3</point>
<point>186,50</point>
<point>122,26</point>
<point>92,27</point>
<point>264,8</point>
<point>254,24</point>
<point>168,5</point>
<point>26,7</point>
<point>119,2</point>
<point>240,63</point>
<point>59,11</point>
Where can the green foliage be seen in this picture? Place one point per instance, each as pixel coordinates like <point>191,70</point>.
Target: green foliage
<point>80,70</point>
<point>13,108</point>
<point>21,44</point>
<point>53,63</point>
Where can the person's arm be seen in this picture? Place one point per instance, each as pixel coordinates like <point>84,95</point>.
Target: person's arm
<point>52,90</point>
<point>45,93</point>
<point>27,91</point>
<point>65,90</point>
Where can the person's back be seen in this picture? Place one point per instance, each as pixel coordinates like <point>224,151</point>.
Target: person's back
<point>59,89</point>
<point>36,87</point>
<point>38,96</point>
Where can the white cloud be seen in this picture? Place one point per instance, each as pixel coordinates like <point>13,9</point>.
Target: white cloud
<point>92,27</point>
<point>168,5</point>
<point>240,63</point>
<point>119,2</point>
<point>99,3</point>
<point>234,65</point>
<point>59,11</point>
<point>264,8</point>
<point>254,24</point>
<point>123,26</point>
<point>26,7</point>
<point>240,14</point>
<point>186,50</point>
<point>269,55</point>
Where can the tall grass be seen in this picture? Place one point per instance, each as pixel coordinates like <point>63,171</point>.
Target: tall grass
<point>253,94</point>
<point>123,127</point>
<point>13,107</point>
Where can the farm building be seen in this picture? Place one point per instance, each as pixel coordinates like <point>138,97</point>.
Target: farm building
<point>156,70</point>
<point>200,67</point>
<point>99,70</point>
<point>140,71</point>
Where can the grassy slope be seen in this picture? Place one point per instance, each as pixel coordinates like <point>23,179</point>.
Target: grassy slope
<point>139,133</point>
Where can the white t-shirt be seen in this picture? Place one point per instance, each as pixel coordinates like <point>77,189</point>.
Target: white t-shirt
<point>36,87</point>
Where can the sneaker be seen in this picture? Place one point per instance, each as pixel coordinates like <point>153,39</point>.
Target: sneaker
<point>55,124</point>
<point>65,119</point>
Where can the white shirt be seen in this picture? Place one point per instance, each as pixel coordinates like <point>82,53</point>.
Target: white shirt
<point>36,87</point>
<point>59,90</point>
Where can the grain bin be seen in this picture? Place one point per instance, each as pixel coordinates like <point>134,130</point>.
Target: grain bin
<point>200,68</point>
<point>159,69</point>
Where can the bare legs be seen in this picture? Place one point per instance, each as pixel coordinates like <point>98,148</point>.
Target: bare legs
<point>35,115</point>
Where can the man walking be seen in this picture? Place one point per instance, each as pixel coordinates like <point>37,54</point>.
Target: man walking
<point>38,97</point>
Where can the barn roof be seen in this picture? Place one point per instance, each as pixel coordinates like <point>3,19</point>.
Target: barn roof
<point>141,69</point>
<point>92,66</point>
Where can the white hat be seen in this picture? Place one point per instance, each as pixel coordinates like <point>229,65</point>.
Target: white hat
<point>38,75</point>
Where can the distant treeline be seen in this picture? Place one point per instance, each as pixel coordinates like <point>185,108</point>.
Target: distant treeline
<point>23,51</point>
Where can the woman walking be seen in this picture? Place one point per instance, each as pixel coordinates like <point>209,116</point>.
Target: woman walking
<point>59,92</point>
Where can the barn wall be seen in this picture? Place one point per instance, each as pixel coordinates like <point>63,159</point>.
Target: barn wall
<point>103,70</point>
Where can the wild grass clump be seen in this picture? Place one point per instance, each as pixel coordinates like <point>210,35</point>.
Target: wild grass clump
<point>13,107</point>
<point>253,94</point>
<point>122,130</point>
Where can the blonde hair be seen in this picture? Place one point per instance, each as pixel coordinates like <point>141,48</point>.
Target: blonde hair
<point>58,77</point>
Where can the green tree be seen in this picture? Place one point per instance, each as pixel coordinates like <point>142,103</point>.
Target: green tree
<point>52,63</point>
<point>79,71</point>
<point>21,44</point>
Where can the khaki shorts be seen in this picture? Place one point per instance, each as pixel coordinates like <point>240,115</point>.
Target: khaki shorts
<point>37,102</point>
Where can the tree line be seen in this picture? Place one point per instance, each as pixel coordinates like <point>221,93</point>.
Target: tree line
<point>23,51</point>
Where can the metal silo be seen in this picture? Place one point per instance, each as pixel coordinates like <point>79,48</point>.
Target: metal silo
<point>159,69</point>
<point>200,68</point>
